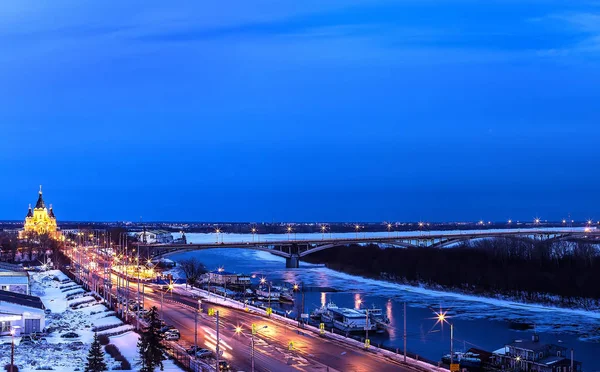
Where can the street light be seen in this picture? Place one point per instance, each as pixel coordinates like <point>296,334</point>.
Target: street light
<point>389,228</point>
<point>289,231</point>
<point>253,232</point>
<point>356,227</point>
<point>442,318</point>
<point>12,349</point>
<point>196,325</point>
<point>217,231</point>
<point>238,331</point>
<point>323,228</point>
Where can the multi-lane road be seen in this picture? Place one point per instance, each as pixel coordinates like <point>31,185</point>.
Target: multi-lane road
<point>309,352</point>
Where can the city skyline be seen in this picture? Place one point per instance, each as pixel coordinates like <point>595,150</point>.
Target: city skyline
<point>361,111</point>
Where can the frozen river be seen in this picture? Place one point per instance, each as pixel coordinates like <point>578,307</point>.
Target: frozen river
<point>478,322</point>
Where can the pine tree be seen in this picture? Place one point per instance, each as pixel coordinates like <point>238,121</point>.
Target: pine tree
<point>149,345</point>
<point>95,359</point>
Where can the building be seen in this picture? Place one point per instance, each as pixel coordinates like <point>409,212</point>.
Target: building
<point>221,277</point>
<point>40,220</point>
<point>13,278</point>
<point>525,355</point>
<point>20,311</point>
<point>155,236</point>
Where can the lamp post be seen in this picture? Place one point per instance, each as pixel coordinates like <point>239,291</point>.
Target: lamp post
<point>356,227</point>
<point>218,351</point>
<point>389,228</point>
<point>253,233</point>
<point>217,232</point>
<point>12,349</point>
<point>238,330</point>
<point>442,318</point>
<point>196,325</point>
<point>289,232</point>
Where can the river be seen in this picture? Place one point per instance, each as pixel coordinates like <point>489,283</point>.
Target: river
<point>478,322</point>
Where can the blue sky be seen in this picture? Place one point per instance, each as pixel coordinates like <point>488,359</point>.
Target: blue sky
<point>301,110</point>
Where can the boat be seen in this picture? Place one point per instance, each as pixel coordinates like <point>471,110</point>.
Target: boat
<point>322,313</point>
<point>347,320</point>
<point>464,359</point>
<point>286,297</point>
<point>377,316</point>
<point>266,293</point>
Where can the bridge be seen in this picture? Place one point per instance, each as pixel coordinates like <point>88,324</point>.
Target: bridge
<point>294,249</point>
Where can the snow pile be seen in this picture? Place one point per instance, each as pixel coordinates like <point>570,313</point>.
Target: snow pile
<point>127,344</point>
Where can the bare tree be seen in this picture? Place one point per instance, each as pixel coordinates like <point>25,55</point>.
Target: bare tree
<point>192,268</point>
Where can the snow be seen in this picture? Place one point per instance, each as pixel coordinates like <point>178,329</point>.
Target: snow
<point>69,354</point>
<point>121,328</point>
<point>127,344</point>
<point>107,321</point>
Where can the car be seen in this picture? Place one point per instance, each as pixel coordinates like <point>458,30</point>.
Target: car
<point>191,350</point>
<point>224,366</point>
<point>172,336</point>
<point>69,335</point>
<point>203,353</point>
<point>26,342</point>
<point>166,328</point>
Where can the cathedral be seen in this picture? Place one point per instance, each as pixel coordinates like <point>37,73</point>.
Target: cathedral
<point>40,220</point>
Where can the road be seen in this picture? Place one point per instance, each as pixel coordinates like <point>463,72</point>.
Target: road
<point>310,352</point>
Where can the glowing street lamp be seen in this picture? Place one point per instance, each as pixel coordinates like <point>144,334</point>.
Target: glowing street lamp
<point>323,228</point>
<point>357,228</point>
<point>442,318</point>
<point>289,231</point>
<point>253,233</point>
<point>217,232</point>
<point>238,331</point>
<point>389,229</point>
<point>536,221</point>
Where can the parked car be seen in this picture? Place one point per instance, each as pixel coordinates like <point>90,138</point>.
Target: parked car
<point>203,353</point>
<point>166,328</point>
<point>69,335</point>
<point>172,335</point>
<point>192,350</point>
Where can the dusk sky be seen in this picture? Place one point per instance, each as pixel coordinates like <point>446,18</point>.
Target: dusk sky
<point>309,110</point>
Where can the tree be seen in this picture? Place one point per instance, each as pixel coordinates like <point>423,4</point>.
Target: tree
<point>192,268</point>
<point>149,345</point>
<point>95,359</point>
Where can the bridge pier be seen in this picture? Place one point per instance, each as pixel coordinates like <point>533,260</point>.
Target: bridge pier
<point>292,262</point>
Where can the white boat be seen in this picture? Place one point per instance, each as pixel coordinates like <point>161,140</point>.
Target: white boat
<point>322,314</point>
<point>265,293</point>
<point>344,319</point>
<point>350,320</point>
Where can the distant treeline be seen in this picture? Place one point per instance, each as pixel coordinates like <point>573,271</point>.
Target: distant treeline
<point>528,269</point>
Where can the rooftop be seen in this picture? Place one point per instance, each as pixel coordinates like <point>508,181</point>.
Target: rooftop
<point>14,273</point>
<point>10,267</point>
<point>349,313</point>
<point>217,272</point>
<point>21,299</point>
